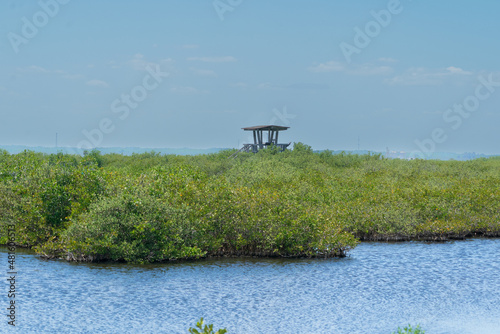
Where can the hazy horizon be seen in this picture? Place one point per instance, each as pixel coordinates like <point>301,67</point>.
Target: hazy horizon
<point>15,149</point>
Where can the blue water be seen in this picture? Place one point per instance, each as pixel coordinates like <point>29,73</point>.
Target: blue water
<point>445,287</point>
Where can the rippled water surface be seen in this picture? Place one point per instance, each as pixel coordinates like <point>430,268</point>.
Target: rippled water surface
<point>445,287</point>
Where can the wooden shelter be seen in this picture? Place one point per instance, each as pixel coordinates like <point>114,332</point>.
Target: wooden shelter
<point>260,140</point>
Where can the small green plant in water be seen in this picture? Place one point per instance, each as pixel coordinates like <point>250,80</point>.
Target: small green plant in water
<point>410,330</point>
<point>207,329</point>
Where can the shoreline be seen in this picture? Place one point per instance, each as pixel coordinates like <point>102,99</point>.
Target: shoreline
<point>378,239</point>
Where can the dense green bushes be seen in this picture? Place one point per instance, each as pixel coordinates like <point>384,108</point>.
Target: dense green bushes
<point>133,229</point>
<point>201,328</point>
<point>410,330</point>
<point>149,207</point>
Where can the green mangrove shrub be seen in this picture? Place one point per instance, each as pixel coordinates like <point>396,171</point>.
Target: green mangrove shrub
<point>207,329</point>
<point>150,207</point>
<point>133,229</point>
<point>409,330</point>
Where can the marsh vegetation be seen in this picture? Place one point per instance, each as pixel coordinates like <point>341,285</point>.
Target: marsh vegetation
<point>150,207</point>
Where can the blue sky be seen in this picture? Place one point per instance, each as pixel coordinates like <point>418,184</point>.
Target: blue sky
<point>225,64</point>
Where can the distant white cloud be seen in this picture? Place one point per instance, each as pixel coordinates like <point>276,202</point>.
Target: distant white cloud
<point>330,66</point>
<point>227,59</point>
<point>240,85</point>
<point>113,64</point>
<point>269,86</point>
<point>364,69</point>
<point>139,62</point>
<point>426,77</point>
<point>185,90</point>
<point>457,70</point>
<point>72,76</point>
<point>388,60</point>
<point>371,70</point>
<point>204,73</point>
<point>412,76</point>
<point>308,86</point>
<point>33,69</point>
<point>97,83</point>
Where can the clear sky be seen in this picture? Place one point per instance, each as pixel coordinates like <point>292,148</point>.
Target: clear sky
<point>408,75</point>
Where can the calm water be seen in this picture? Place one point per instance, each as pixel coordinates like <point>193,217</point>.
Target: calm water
<point>447,288</point>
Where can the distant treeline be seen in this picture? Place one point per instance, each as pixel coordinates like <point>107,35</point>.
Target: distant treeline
<point>151,207</point>
<point>15,149</point>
